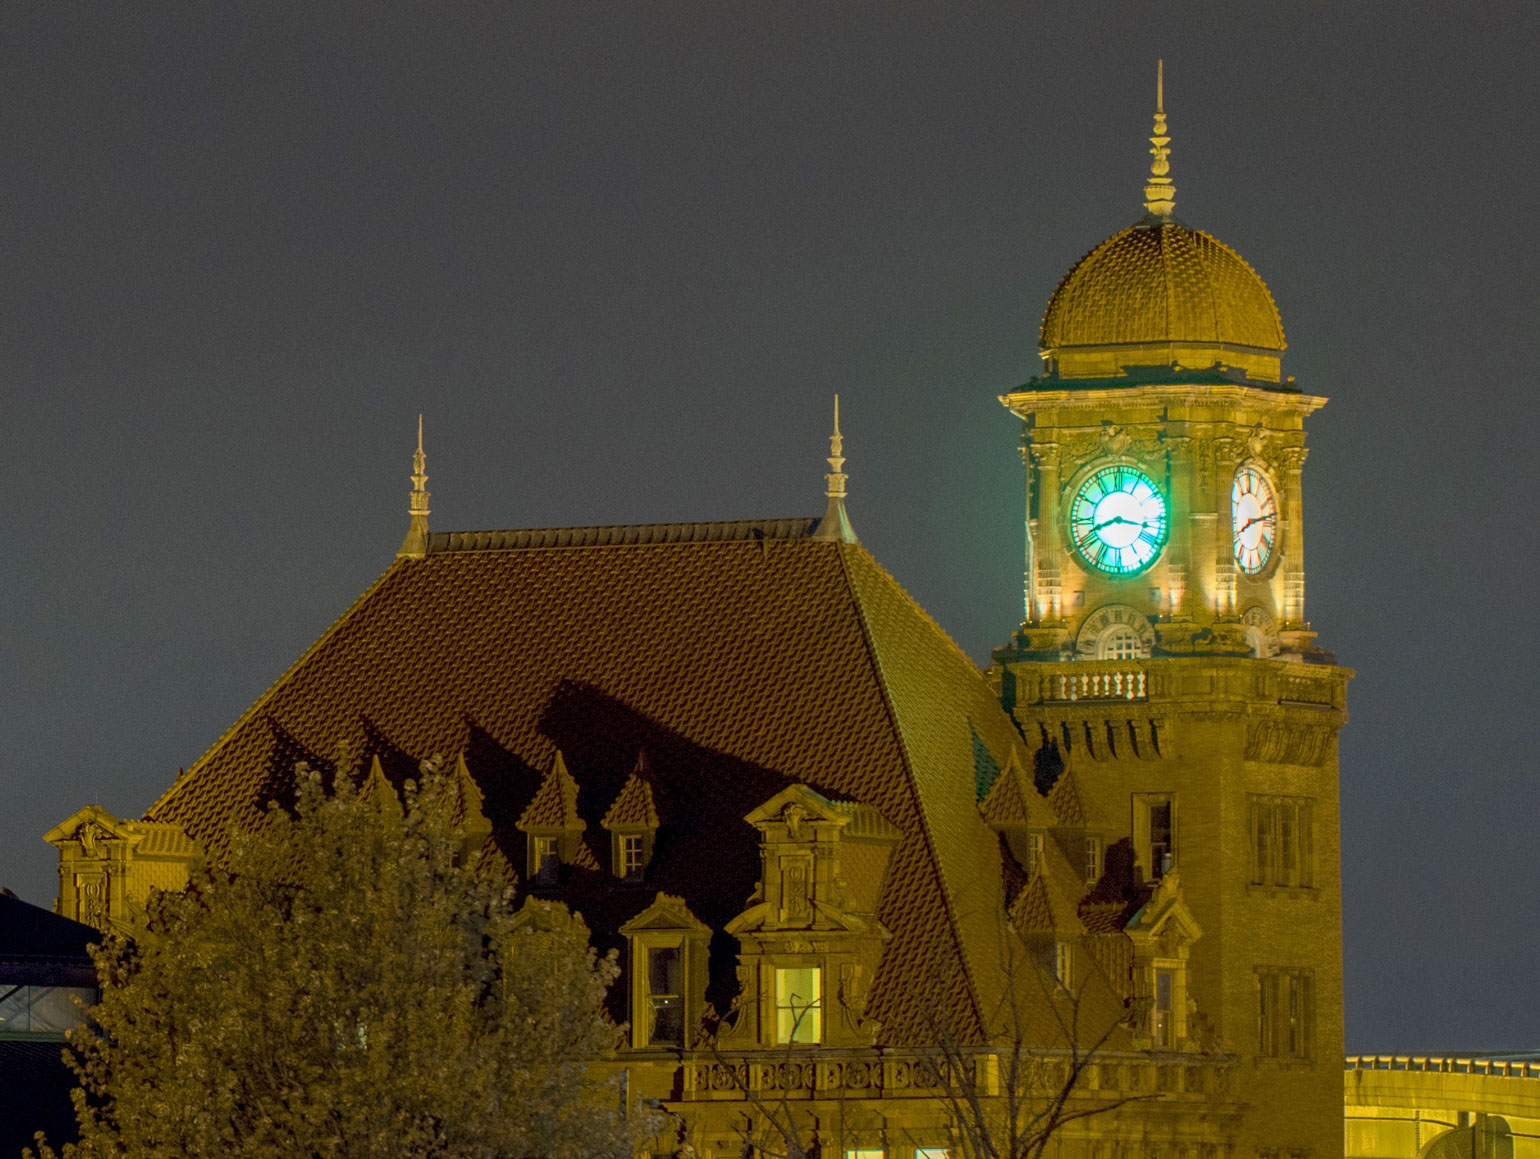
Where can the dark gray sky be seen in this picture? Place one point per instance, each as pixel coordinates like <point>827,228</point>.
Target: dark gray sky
<point>622,254</point>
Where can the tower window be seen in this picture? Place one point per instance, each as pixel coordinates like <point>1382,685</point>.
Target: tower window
<point>1119,643</point>
<point>1162,847</point>
<point>1285,1013</point>
<point>665,996</point>
<point>1064,963</point>
<point>1282,836</point>
<point>799,1004</point>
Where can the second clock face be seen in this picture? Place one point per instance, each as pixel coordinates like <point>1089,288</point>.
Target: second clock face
<point>1254,516</point>
<point>1117,520</point>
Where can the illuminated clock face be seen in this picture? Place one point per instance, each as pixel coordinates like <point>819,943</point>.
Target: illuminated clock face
<point>1117,520</point>
<point>1254,516</point>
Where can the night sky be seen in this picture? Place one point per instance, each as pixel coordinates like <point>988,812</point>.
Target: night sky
<point>622,255</point>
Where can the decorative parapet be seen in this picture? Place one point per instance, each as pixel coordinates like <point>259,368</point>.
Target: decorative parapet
<point>108,867</point>
<point>889,1075</point>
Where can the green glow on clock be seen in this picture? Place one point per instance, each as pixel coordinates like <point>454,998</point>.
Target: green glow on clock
<point>1117,520</point>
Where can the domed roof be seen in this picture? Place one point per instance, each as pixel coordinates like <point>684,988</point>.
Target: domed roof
<point>1160,282</point>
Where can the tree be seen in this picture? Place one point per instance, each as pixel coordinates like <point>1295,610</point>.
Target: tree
<point>351,982</point>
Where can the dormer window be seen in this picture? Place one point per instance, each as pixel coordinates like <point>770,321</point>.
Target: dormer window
<point>665,996</point>
<point>544,859</point>
<point>632,822</point>
<point>799,1005</point>
<point>667,973</point>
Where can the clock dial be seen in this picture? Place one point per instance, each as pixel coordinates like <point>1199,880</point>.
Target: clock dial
<point>1117,520</point>
<point>1254,517</point>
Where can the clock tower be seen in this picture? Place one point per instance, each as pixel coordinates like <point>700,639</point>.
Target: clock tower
<point>1165,655</point>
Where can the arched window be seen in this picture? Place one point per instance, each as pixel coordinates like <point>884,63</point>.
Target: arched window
<point>1118,643</point>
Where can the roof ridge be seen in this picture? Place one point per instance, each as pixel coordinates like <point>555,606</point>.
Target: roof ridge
<point>187,776</point>
<point>621,535</point>
<point>954,930</point>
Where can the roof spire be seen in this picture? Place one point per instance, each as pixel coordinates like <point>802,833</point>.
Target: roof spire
<point>1160,191</point>
<point>835,523</point>
<point>415,545</point>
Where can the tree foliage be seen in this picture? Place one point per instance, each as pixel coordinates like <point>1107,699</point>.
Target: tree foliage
<point>351,984</point>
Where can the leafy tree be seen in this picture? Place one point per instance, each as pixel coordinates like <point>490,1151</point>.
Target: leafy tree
<point>351,983</point>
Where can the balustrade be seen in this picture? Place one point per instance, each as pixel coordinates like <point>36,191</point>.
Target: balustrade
<point>1495,1067</point>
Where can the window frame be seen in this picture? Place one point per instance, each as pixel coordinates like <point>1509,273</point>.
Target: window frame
<point>814,1007</point>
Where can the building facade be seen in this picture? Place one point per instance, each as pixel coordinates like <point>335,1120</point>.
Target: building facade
<point>867,896</point>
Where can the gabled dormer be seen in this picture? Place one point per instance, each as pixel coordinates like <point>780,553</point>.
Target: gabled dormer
<point>109,866</point>
<point>1162,933</point>
<point>632,823</point>
<point>1046,916</point>
<point>668,960</point>
<point>1078,827</point>
<point>1014,809</point>
<point>810,944</point>
<point>553,830</point>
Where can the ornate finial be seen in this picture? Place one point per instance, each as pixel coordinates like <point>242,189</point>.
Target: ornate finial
<point>835,523</point>
<point>1160,192</point>
<point>415,545</point>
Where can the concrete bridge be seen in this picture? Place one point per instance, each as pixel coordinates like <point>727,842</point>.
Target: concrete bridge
<point>1453,1107</point>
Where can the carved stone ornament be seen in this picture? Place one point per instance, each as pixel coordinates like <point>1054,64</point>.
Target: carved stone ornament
<point>1256,442</point>
<point>1203,461</point>
<point>1107,619</point>
<point>1261,629</point>
<point>1045,455</point>
<point>1292,458</point>
<point>1114,439</point>
<point>793,816</point>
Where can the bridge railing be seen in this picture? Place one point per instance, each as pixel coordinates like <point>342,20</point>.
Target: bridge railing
<point>1498,1067</point>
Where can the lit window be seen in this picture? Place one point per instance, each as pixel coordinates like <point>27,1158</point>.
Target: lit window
<point>932,1153</point>
<point>1093,859</point>
<point>546,858</point>
<point>665,996</point>
<point>799,1004</point>
<point>1119,643</point>
<point>1064,963</point>
<point>631,855</point>
<point>867,1153</point>
<point>1160,1020</point>
<point>1282,841</point>
<point>1285,1013</point>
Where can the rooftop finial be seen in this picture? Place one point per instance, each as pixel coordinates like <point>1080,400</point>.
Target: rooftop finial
<point>415,545</point>
<point>1160,191</point>
<point>835,523</point>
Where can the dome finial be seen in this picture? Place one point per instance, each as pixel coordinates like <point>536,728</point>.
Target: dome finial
<point>835,523</point>
<point>1160,192</point>
<point>415,545</point>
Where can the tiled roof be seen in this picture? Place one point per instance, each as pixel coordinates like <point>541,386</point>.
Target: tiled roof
<point>1071,807</point>
<point>634,807</point>
<point>742,656</point>
<point>1050,904</point>
<point>555,803</point>
<point>1013,802</point>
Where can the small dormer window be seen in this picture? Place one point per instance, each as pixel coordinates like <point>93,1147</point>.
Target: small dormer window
<point>1034,851</point>
<point>1064,964</point>
<point>1093,860</point>
<point>799,1004</point>
<point>545,859</point>
<point>631,860</point>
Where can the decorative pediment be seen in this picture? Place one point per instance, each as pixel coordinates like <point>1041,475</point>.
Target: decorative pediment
<point>792,809</point>
<point>666,912</point>
<point>90,826</point>
<point>1165,922</point>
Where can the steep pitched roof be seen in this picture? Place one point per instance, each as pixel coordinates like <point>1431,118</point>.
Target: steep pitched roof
<point>1050,903</point>
<point>555,802</point>
<point>1072,808</point>
<point>1013,802</point>
<point>634,808</point>
<point>743,657</point>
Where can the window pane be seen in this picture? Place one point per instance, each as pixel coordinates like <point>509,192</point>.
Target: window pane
<point>663,971</point>
<point>1161,1023</point>
<point>798,991</point>
<point>932,1153</point>
<point>667,1020</point>
<point>1093,859</point>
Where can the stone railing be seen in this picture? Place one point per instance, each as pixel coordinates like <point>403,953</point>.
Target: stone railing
<point>883,1075</point>
<point>1162,678</point>
<point>1495,1067</point>
<point>1086,680</point>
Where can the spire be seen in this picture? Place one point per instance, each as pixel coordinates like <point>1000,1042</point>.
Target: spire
<point>415,545</point>
<point>1160,192</point>
<point>835,523</point>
